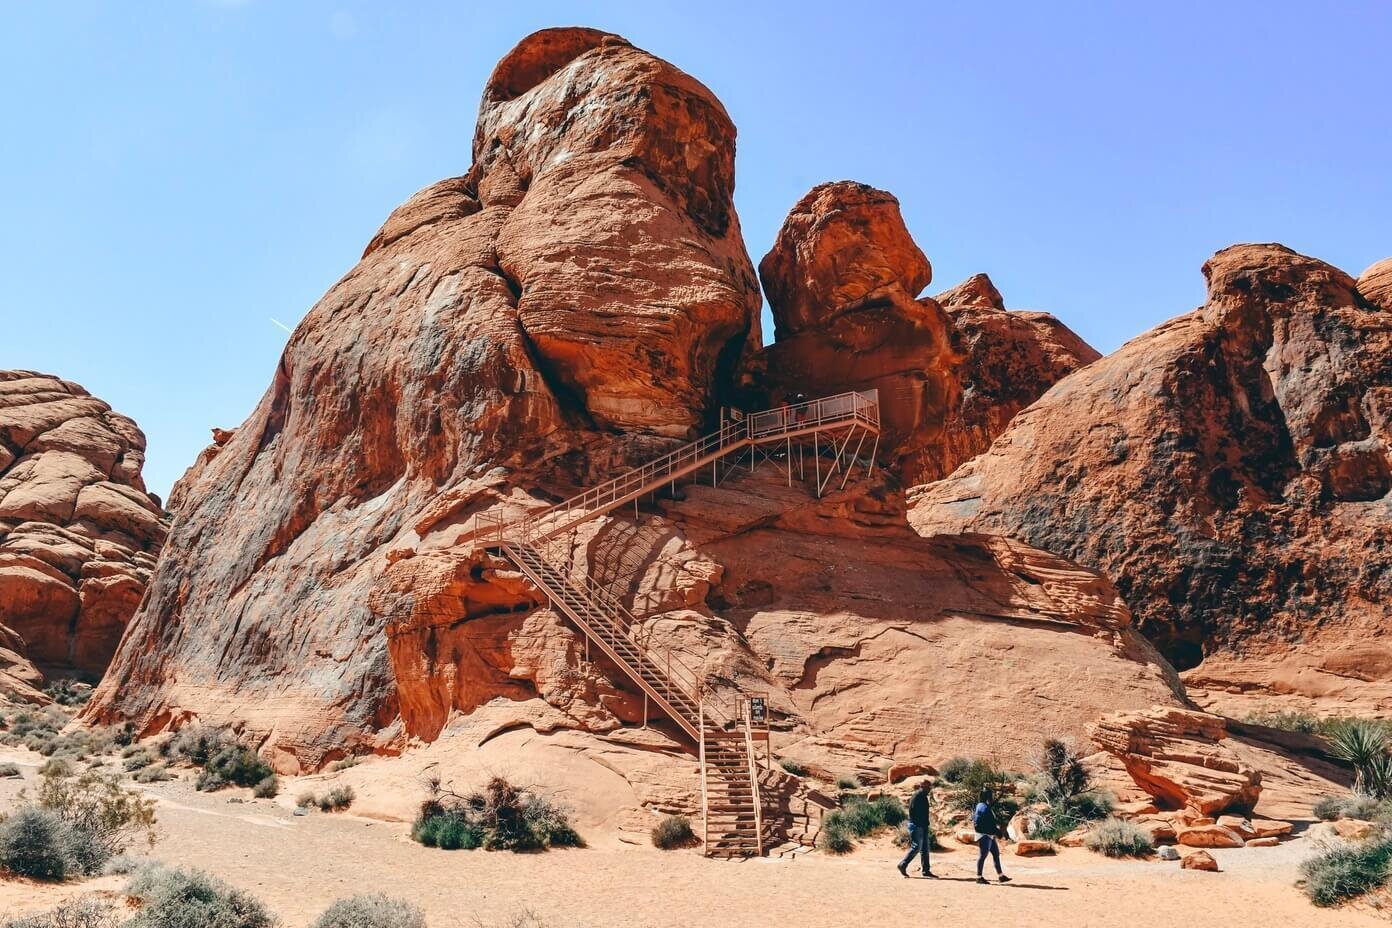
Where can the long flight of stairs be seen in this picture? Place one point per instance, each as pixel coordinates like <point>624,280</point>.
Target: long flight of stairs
<point>748,808</point>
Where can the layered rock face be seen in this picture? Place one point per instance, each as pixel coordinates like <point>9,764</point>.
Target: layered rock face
<point>1229,469</point>
<point>873,645</point>
<point>78,532</point>
<point>586,276</point>
<point>843,280</point>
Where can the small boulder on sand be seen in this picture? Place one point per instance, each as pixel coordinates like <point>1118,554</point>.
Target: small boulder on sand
<point>1355,829</point>
<point>1167,852</point>
<point>1029,848</point>
<point>1214,835</point>
<point>1199,860</point>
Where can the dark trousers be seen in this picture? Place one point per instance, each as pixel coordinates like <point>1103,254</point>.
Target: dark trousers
<point>990,846</point>
<point>920,839</point>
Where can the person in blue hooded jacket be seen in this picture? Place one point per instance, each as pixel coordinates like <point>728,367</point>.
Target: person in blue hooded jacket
<point>987,829</point>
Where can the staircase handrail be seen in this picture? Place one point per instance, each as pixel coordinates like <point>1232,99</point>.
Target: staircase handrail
<point>857,406</point>
<point>668,667</point>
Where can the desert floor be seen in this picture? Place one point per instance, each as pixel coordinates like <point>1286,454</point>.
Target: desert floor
<point>299,864</point>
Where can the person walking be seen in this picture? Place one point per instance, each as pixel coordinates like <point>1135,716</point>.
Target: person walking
<point>920,831</point>
<point>986,827</point>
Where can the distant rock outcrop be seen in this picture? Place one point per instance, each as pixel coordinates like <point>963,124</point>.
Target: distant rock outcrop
<point>1230,470</point>
<point>78,532</point>
<point>843,282</point>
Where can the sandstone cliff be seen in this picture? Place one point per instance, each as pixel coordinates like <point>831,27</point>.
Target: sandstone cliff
<point>78,532</point>
<point>843,281</point>
<point>586,277</point>
<point>1229,469</point>
<point>579,300</point>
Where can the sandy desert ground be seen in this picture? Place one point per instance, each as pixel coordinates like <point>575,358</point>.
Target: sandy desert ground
<point>299,864</point>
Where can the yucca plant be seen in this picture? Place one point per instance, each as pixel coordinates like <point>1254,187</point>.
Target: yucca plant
<point>1364,746</point>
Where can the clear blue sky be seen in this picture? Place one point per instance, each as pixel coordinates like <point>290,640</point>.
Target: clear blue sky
<point>176,174</point>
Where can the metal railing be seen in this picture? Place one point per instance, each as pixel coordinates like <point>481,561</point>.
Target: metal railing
<point>861,408</point>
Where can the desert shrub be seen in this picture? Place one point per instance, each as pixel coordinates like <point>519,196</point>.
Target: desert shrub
<point>9,770</point>
<point>979,775</point>
<point>865,817</point>
<point>83,912</point>
<point>136,759</point>
<point>836,836</point>
<point>68,692</point>
<point>105,817</point>
<point>343,764</point>
<point>1364,746</point>
<point>198,744</point>
<point>1346,872</point>
<point>306,800</point>
<point>125,865</point>
<point>1062,770</point>
<point>793,767</point>
<point>673,831</point>
<point>56,767</point>
<point>847,782</point>
<point>268,788</point>
<point>337,799</point>
<point>192,899</point>
<point>155,773</point>
<point>372,911</point>
<point>234,764</point>
<point>1117,837</point>
<point>901,837</point>
<point>37,843</point>
<point>953,768</point>
<point>501,816</point>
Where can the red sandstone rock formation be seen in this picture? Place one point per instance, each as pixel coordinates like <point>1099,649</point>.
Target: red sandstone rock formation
<point>1230,469</point>
<point>19,678</point>
<point>78,532</point>
<point>585,278</point>
<point>843,280</point>
<point>1178,757</point>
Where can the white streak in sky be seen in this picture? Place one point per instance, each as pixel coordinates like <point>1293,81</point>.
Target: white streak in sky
<point>282,325</point>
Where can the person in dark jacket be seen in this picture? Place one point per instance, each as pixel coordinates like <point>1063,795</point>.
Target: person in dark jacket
<point>920,831</point>
<point>984,823</point>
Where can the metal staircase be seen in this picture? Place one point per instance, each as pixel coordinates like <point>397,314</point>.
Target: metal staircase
<point>724,727</point>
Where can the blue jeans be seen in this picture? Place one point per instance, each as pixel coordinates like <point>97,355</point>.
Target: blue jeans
<point>920,838</point>
<point>988,846</point>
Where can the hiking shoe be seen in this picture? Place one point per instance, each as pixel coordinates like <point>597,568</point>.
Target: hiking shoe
<point>1003,878</point>
<point>982,881</point>
<point>929,874</point>
<point>903,871</point>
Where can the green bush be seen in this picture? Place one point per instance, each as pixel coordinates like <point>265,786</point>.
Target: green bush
<point>954,768</point>
<point>673,831</point>
<point>979,775</point>
<point>1347,872</point>
<point>235,765</point>
<point>56,767</point>
<point>343,764</point>
<point>37,843</point>
<point>373,911</point>
<point>836,836</point>
<point>10,770</point>
<point>155,773</point>
<point>83,912</point>
<point>1117,837</point>
<point>268,788</point>
<point>337,799</point>
<point>68,692</point>
<point>793,767</point>
<point>137,759</point>
<point>500,817</point>
<point>192,899</point>
<point>198,744</point>
<point>306,800</point>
